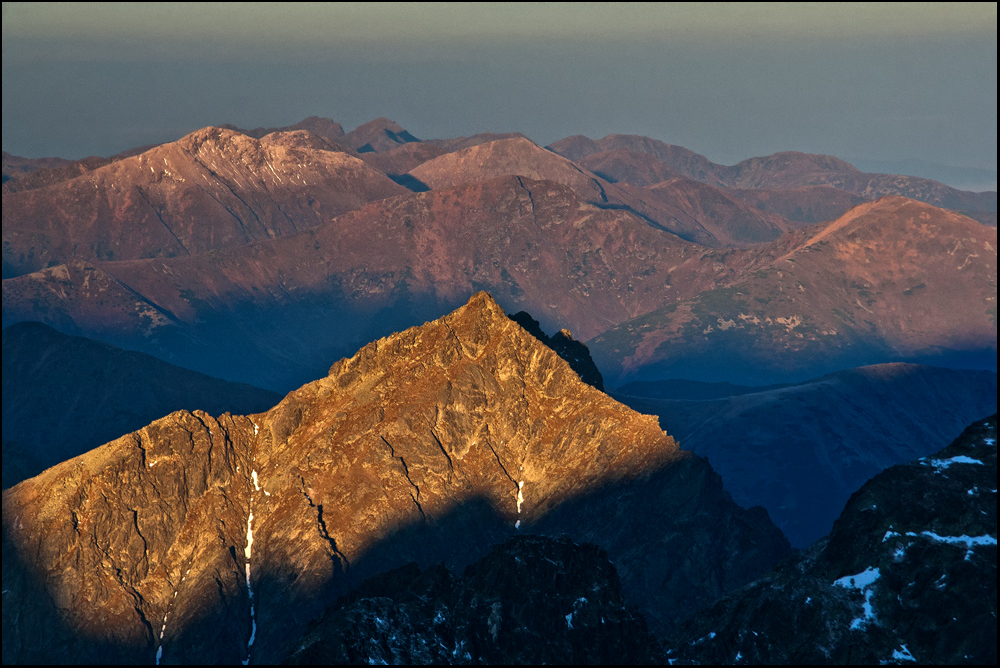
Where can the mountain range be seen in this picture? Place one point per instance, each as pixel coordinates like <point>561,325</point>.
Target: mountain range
<point>600,401</point>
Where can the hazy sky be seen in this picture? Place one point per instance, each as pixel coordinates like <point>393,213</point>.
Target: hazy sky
<point>861,81</point>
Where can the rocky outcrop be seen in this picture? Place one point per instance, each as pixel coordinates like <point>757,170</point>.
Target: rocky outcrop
<point>531,600</point>
<point>218,539</point>
<point>908,575</point>
<point>575,353</point>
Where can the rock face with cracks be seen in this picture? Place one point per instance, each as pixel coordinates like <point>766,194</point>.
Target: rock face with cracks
<point>216,540</point>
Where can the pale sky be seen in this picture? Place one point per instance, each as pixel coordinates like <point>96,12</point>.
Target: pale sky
<point>861,81</point>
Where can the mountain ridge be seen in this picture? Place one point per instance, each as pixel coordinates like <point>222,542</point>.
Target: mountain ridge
<point>208,531</point>
<point>155,203</point>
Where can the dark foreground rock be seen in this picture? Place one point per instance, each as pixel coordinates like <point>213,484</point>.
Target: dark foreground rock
<point>909,574</point>
<point>531,600</point>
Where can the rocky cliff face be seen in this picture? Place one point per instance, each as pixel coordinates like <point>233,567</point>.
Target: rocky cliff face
<point>217,539</point>
<point>908,575</point>
<point>563,343</point>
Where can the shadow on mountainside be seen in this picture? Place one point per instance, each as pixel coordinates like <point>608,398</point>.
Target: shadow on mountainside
<point>674,535</point>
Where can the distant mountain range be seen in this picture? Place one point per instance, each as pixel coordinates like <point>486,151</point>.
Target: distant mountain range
<point>445,479</point>
<point>273,313</point>
<point>214,188</point>
<point>890,280</point>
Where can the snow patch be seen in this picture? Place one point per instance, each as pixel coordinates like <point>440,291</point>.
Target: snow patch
<point>569,621</point>
<point>860,623</point>
<point>969,542</point>
<point>862,580</point>
<point>247,551</point>
<point>902,655</point>
<point>940,464</point>
<point>520,496</point>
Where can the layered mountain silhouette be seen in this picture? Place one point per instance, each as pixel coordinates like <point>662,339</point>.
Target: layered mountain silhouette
<point>463,491</point>
<point>220,539</point>
<point>15,166</point>
<point>801,450</point>
<point>891,280</point>
<point>781,171</point>
<point>379,136</point>
<point>63,396</point>
<point>212,189</point>
<point>321,127</point>
<point>908,575</point>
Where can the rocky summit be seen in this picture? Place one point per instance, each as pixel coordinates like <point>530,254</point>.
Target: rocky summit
<point>220,539</point>
<point>908,575</point>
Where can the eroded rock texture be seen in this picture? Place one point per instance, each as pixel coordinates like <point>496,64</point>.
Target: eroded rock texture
<point>217,540</point>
